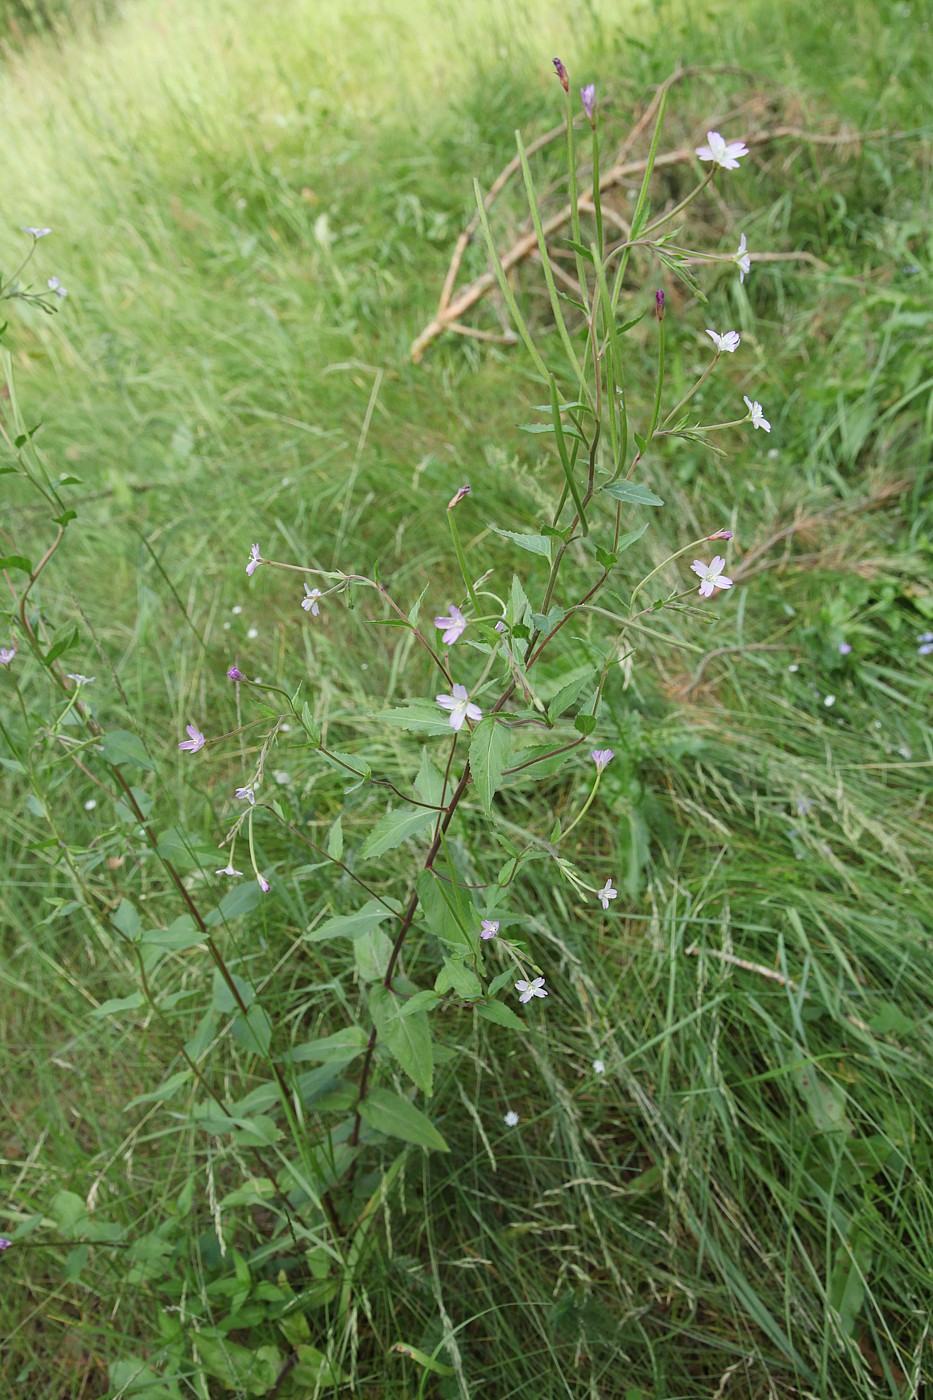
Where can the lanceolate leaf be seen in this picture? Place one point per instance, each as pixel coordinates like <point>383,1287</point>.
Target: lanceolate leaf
<point>389,1113</point>
<point>393,829</point>
<point>490,748</point>
<point>631,493</point>
<point>407,1038</point>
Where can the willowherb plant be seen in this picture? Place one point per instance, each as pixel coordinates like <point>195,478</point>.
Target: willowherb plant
<point>429,945</point>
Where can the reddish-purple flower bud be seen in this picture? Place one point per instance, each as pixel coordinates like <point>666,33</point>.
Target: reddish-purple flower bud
<point>721,535</point>
<point>456,499</point>
<point>235,674</point>
<point>588,98</point>
<point>659,304</point>
<point>561,72</point>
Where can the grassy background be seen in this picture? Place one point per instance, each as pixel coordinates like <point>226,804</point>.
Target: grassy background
<point>253,208</point>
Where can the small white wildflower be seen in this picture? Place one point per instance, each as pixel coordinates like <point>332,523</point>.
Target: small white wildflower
<point>606,893</point>
<point>511,1118</point>
<point>599,1067</point>
<point>756,414</point>
<point>829,701</point>
<point>310,601</point>
<point>531,989</point>
<point>253,633</point>
<point>742,259</point>
<point>728,342</point>
<point>90,804</point>
<point>722,152</point>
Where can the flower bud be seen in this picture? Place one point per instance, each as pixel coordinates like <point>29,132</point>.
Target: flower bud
<point>721,535</point>
<point>561,72</point>
<point>588,98</point>
<point>659,304</point>
<point>456,499</point>
<point>235,674</point>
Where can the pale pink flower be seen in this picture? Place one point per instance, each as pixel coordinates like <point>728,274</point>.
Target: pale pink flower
<point>588,98</point>
<point>254,559</point>
<point>246,794</point>
<point>722,152</point>
<point>460,706</point>
<point>711,575</point>
<point>194,741</point>
<point>531,989</point>
<point>455,625</point>
<point>7,654</point>
<point>602,757</point>
<point>263,884</point>
<point>490,928</point>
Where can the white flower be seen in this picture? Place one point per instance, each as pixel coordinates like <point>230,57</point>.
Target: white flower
<point>531,989</point>
<point>755,413</point>
<point>236,610</point>
<point>55,286</point>
<point>460,706</point>
<point>722,152</point>
<point>252,634</point>
<point>606,893</point>
<point>511,1118</point>
<point>79,679</point>
<point>599,1067</point>
<point>35,232</point>
<point>711,575</point>
<point>455,626</point>
<point>729,341</point>
<point>90,804</point>
<point>228,869</point>
<point>742,259</point>
<point>310,603</point>
<point>829,701</point>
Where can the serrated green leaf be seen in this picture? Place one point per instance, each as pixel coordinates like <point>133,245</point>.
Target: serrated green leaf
<point>121,746</point>
<point>393,829</point>
<point>407,1038</point>
<point>350,925</point>
<point>335,840</point>
<point>240,900</point>
<point>429,784</point>
<point>500,1015</point>
<point>127,920</point>
<point>182,934</point>
<point>371,953</point>
<point>420,716</point>
<point>631,493</point>
<point>343,1045</point>
<point>455,976</point>
<point>396,1117</point>
<point>16,561</point>
<point>490,747</point>
<point>118,1004</point>
<point>535,544</point>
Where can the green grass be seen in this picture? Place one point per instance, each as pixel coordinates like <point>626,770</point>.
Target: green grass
<point>253,210</point>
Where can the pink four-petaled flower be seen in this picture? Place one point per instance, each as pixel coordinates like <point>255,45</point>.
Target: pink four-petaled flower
<point>194,741</point>
<point>455,625</point>
<point>310,602</point>
<point>461,707</point>
<point>254,559</point>
<point>531,989</point>
<point>606,894</point>
<point>711,575</point>
<point>601,757</point>
<point>722,152</point>
<point>490,928</point>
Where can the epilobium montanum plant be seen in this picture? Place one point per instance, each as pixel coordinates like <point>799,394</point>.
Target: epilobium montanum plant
<point>433,941</point>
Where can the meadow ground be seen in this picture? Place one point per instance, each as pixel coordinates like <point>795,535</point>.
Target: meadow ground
<point>253,211</point>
